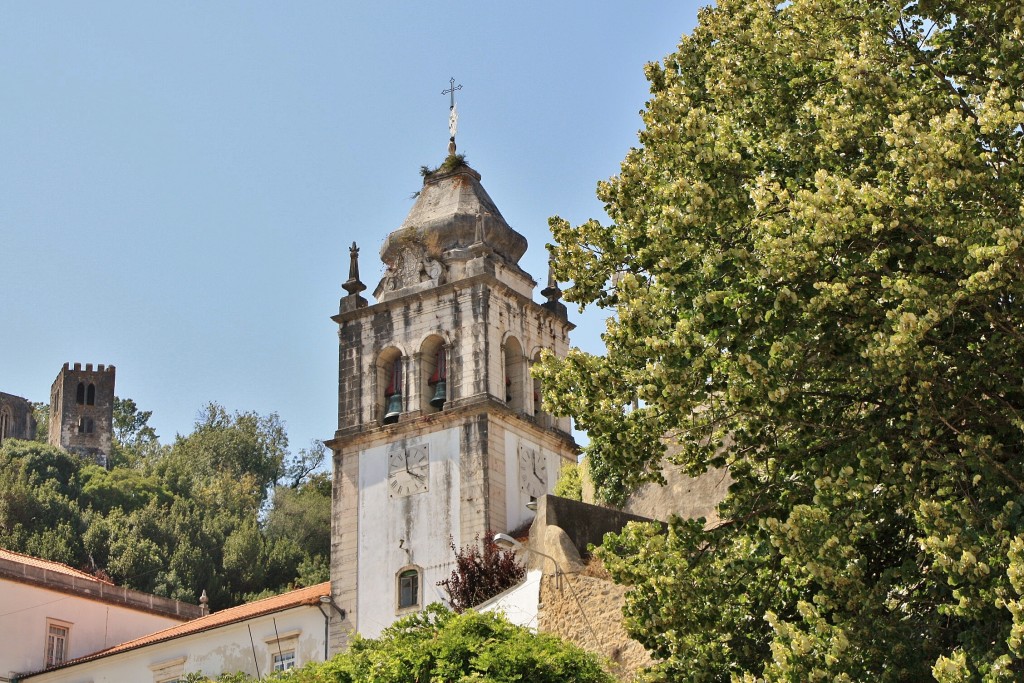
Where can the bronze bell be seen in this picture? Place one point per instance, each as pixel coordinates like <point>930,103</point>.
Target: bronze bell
<point>440,393</point>
<point>394,409</point>
<point>438,380</point>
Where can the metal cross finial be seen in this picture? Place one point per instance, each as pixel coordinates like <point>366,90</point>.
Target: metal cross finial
<point>451,91</point>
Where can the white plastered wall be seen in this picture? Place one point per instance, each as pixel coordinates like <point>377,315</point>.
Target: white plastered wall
<point>405,531</point>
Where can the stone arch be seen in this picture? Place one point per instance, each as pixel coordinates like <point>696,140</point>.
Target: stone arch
<point>433,374</point>
<point>80,394</point>
<point>90,395</point>
<point>515,374</point>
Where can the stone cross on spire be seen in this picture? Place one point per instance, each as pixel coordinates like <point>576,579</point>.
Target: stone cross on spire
<point>453,115</point>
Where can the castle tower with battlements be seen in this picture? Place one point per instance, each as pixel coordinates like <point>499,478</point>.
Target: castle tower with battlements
<point>82,411</point>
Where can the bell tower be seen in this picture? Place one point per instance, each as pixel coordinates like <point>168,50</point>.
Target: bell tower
<point>440,429</point>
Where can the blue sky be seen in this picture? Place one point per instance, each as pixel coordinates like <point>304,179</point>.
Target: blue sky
<point>179,182</point>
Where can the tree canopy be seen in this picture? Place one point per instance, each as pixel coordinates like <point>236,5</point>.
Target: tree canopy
<point>180,519</point>
<point>814,270</point>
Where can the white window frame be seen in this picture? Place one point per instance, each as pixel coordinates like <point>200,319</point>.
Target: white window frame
<point>48,656</point>
<point>281,645</point>
<point>284,660</point>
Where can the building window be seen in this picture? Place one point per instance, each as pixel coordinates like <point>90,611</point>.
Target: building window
<point>57,635</point>
<point>282,649</point>
<point>284,660</point>
<point>408,589</point>
<point>86,425</point>
<point>90,395</point>
<point>80,394</point>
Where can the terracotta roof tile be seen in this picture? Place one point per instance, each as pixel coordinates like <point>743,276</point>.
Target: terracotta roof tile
<point>277,603</point>
<point>48,565</point>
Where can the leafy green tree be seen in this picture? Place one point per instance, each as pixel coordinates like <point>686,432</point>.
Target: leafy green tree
<point>303,514</point>
<point>815,273</point>
<point>120,487</point>
<point>179,520</point>
<point>39,510</point>
<point>439,645</point>
<point>299,469</point>
<point>228,446</point>
<point>131,425</point>
<point>570,482</point>
<point>133,438</point>
<point>41,414</point>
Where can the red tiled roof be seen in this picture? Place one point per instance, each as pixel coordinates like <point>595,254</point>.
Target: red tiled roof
<point>277,603</point>
<point>48,565</point>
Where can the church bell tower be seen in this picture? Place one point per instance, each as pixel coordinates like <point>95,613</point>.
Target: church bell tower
<point>441,436</point>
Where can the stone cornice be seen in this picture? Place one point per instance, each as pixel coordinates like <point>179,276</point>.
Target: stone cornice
<point>456,413</point>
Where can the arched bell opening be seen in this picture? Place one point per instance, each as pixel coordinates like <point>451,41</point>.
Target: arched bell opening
<point>390,385</point>
<point>433,374</point>
<point>515,375</point>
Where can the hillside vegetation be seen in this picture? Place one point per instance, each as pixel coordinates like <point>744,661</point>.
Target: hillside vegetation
<point>225,509</point>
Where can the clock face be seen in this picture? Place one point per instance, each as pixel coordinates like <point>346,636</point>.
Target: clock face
<point>533,472</point>
<point>407,471</point>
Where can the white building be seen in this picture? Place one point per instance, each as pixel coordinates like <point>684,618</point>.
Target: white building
<point>276,633</point>
<point>51,613</point>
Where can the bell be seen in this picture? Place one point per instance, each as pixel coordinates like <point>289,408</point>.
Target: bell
<point>438,380</point>
<point>394,409</point>
<point>440,390</point>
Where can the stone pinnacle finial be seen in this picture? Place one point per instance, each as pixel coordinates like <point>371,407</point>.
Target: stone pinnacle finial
<point>204,603</point>
<point>353,285</point>
<point>552,293</point>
